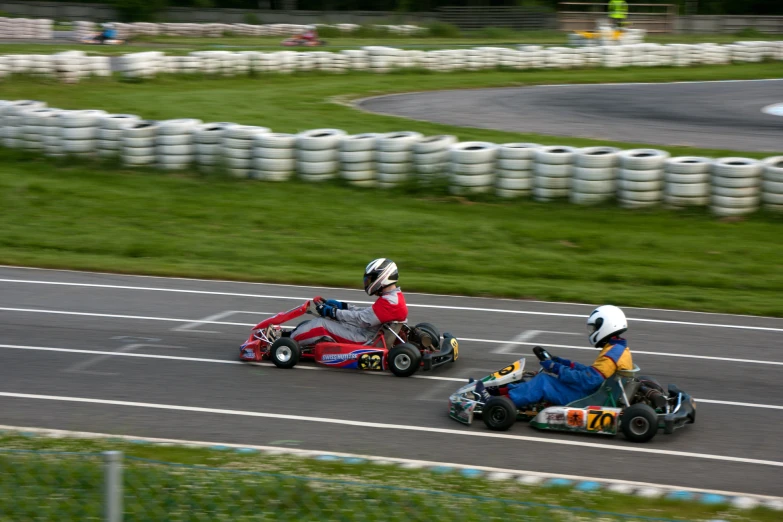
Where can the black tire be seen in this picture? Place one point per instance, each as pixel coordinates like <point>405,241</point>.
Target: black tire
<point>499,413</point>
<point>404,360</point>
<point>639,423</point>
<point>285,352</point>
<point>432,331</point>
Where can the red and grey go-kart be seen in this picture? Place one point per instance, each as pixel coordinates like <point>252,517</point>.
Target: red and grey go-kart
<point>302,42</point>
<point>396,347</point>
<point>637,405</point>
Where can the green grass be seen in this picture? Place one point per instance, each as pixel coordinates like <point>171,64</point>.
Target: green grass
<point>33,470</point>
<point>99,217</point>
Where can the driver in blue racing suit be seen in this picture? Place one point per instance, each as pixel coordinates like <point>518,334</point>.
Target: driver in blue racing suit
<point>345,323</point>
<point>565,381</point>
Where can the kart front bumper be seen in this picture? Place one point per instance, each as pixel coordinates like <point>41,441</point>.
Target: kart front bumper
<point>684,413</point>
<point>449,352</point>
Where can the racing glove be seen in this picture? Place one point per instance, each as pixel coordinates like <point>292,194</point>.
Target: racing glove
<point>336,304</point>
<point>551,366</point>
<point>327,311</point>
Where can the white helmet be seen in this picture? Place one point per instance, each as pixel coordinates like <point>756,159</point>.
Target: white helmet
<point>379,274</point>
<point>604,322</point>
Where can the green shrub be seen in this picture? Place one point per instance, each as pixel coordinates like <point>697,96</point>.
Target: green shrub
<point>443,30</point>
<point>252,19</point>
<point>749,32</point>
<point>330,32</point>
<point>496,33</point>
<point>139,10</point>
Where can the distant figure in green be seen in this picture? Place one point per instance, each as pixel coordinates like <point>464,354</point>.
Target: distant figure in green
<point>618,12</point>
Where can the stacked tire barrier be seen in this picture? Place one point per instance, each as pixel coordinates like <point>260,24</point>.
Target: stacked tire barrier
<point>395,157</point>
<point>595,175</point>
<point>110,129</point>
<point>318,153</point>
<point>640,182</point>
<point>514,169</point>
<point>71,66</point>
<point>687,181</point>
<point>431,156</point>
<point>638,178</point>
<point>238,145</point>
<point>358,159</point>
<point>174,146</point>
<point>275,156</point>
<point>26,28</point>
<point>736,186</point>
<point>472,167</point>
<point>138,143</point>
<point>772,184</point>
<point>552,168</point>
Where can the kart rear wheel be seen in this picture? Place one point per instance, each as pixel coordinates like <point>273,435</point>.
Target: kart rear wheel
<point>404,360</point>
<point>639,423</point>
<point>285,352</point>
<point>499,413</point>
<point>430,331</point>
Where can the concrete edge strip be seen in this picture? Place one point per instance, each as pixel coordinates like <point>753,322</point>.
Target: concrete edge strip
<point>580,483</point>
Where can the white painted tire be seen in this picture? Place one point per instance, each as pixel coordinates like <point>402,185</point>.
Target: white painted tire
<point>685,179</point>
<point>208,149</point>
<point>359,156</point>
<point>515,164</point>
<point>743,182</point>
<point>138,143</point>
<point>595,174</point>
<point>317,156</point>
<point>397,141</point>
<point>735,202</point>
<point>404,156</point>
<point>211,133</point>
<point>79,146</point>
<point>174,162</point>
<point>117,122</point>
<point>514,183</point>
<point>85,118</point>
<point>514,174</point>
<point>358,175</point>
<point>395,168</point>
<point>688,190</point>
<point>431,158</point>
<point>473,152</point>
<point>282,165</point>
<point>584,198</point>
<point>735,192</point>
<point>320,168</point>
<point>142,129</point>
<point>231,152</point>
<point>593,187</point>
<point>275,175</point>
<point>244,132</point>
<point>138,161</point>
<point>547,194</point>
<point>731,211</point>
<point>361,165</point>
<point>429,169</point>
<point>175,150</point>
<point>552,183</point>
<point>772,198</point>
<point>79,133</point>
<point>643,159</point>
<point>684,165</point>
<point>772,187</point>
<point>178,126</point>
<point>238,163</point>
<point>269,153</point>
<point>640,175</point>
<point>359,142</point>
<point>472,169</point>
<point>645,197</point>
<point>174,139</point>
<point>472,180</point>
<point>518,151</point>
<point>773,169</point>
<point>238,143</point>
<point>685,201</point>
<point>275,140</point>
<point>319,139</point>
<point>736,167</point>
<point>110,134</point>
<point>390,178</point>
<point>596,157</point>
<point>555,155</point>
<point>511,194</point>
<point>550,170</point>
<point>431,144</point>
<point>137,151</point>
<point>640,186</point>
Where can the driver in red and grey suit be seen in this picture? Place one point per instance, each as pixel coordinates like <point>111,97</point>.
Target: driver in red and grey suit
<point>346,323</point>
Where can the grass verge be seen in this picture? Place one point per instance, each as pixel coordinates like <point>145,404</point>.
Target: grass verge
<point>144,482</point>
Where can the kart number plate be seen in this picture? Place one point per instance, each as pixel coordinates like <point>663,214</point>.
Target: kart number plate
<point>370,361</point>
<point>511,368</point>
<point>601,420</point>
<point>455,346</point>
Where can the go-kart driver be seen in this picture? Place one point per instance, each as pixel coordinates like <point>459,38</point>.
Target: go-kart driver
<point>565,381</point>
<point>345,323</point>
<point>310,35</point>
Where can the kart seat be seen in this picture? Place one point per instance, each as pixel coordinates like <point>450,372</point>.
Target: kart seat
<point>390,332</point>
<point>608,393</point>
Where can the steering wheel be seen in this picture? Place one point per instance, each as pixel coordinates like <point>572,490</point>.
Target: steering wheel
<point>542,354</point>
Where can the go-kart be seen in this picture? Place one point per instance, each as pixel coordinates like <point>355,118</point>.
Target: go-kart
<point>396,347</point>
<point>302,42</point>
<point>635,404</point>
<point>97,40</point>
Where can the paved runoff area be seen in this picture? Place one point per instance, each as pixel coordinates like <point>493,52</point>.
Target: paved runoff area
<point>721,115</point>
<point>157,357</point>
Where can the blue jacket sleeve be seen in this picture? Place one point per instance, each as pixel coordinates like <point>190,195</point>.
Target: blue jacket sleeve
<point>581,376</point>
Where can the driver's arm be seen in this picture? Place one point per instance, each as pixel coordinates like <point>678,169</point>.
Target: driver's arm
<point>361,317</point>
<point>581,376</point>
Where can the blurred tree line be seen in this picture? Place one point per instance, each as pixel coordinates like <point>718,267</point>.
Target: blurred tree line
<point>737,7</point>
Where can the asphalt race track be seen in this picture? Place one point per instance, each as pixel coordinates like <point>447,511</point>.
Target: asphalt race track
<point>720,115</point>
<point>156,357</point>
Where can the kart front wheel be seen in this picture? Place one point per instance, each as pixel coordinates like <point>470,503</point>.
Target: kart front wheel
<point>639,423</point>
<point>285,352</point>
<point>499,413</point>
<point>404,360</point>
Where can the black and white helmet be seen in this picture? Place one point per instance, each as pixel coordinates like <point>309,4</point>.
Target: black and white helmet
<point>604,322</point>
<point>379,274</point>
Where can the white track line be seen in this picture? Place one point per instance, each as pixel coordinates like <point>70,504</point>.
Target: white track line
<point>410,305</point>
<point>317,368</point>
<point>56,433</point>
<point>401,427</point>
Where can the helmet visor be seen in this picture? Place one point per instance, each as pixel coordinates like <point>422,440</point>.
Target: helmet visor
<point>593,327</point>
<point>368,280</point>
